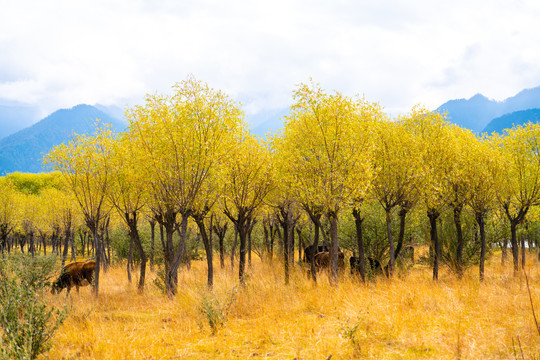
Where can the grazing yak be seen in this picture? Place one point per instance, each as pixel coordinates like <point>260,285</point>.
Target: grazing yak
<point>312,250</point>
<point>374,265</point>
<point>75,274</point>
<point>322,260</point>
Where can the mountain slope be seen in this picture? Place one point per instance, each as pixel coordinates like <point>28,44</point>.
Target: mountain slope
<point>475,113</point>
<point>509,120</point>
<point>24,150</point>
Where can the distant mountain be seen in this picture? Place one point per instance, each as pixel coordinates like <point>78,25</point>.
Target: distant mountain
<point>15,116</point>
<point>23,151</point>
<point>509,120</point>
<point>476,112</point>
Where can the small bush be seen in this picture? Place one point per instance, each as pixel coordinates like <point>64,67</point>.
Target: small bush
<point>27,323</point>
<point>349,331</point>
<point>216,310</point>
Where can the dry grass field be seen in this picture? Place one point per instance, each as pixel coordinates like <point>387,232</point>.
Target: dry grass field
<point>409,317</point>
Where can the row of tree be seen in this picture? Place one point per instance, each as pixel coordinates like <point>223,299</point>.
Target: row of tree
<point>189,157</point>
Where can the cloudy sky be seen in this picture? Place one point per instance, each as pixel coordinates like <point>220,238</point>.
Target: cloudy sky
<point>59,53</point>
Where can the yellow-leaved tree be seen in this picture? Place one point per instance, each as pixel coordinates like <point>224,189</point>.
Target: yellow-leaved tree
<point>183,141</point>
<point>84,164</point>
<point>326,150</point>
<point>435,138</point>
<point>127,193</point>
<point>519,182</point>
<point>248,180</point>
<point>396,160</point>
<point>481,174</point>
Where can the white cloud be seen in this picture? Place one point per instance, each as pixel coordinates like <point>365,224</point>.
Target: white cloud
<point>61,53</point>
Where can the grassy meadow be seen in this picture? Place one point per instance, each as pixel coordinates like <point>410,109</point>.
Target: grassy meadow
<point>409,317</point>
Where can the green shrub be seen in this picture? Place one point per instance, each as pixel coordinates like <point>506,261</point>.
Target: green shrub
<point>216,310</point>
<point>27,323</point>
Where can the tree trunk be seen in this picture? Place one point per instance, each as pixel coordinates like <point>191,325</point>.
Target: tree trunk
<point>135,239</point>
<point>392,263</point>
<point>334,248</point>
<point>291,240</point>
<point>72,242</point>
<point>283,220</point>
<point>207,241</point>
<point>316,220</point>
<point>67,234</point>
<point>167,222</point>
<point>221,231</point>
<point>266,241</point>
<point>301,244</point>
<point>433,215</point>
<point>234,246</point>
<point>504,251</point>
<point>480,219</point>
<point>152,242</point>
<point>129,265</point>
<point>523,251</point>
<point>402,216</point>
<point>360,240</point>
<point>459,249</point>
<point>242,233</point>
<point>93,227</point>
<point>249,242</point>
<point>515,247</point>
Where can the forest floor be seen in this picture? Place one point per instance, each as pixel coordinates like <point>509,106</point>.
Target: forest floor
<point>408,317</point>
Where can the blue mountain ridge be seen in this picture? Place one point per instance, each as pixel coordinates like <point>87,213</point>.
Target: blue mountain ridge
<point>23,151</point>
<point>477,112</point>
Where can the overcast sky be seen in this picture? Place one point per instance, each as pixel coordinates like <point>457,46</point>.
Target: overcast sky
<point>57,54</point>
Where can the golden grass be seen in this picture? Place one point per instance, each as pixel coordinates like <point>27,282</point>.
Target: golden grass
<point>409,317</point>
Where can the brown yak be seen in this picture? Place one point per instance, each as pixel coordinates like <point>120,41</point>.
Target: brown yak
<point>322,260</point>
<point>75,274</point>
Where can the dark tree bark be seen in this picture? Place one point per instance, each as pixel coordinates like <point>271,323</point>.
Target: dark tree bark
<point>315,216</point>
<point>401,237</point>
<point>207,241</point>
<point>480,219</point>
<point>93,226</point>
<point>460,241</point>
<point>284,222</point>
<point>233,250</point>
<point>72,243</point>
<point>392,263</point>
<point>242,223</point>
<point>301,243</point>
<point>334,247</point>
<point>129,265</point>
<point>287,221</point>
<point>152,223</point>
<point>67,236</point>
<point>249,240</point>
<point>221,231</point>
<point>172,255</point>
<point>433,215</point>
<point>515,220</point>
<point>522,251</point>
<point>360,240</point>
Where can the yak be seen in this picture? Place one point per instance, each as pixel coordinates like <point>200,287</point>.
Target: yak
<point>312,250</point>
<point>374,265</point>
<point>75,274</point>
<point>322,260</point>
